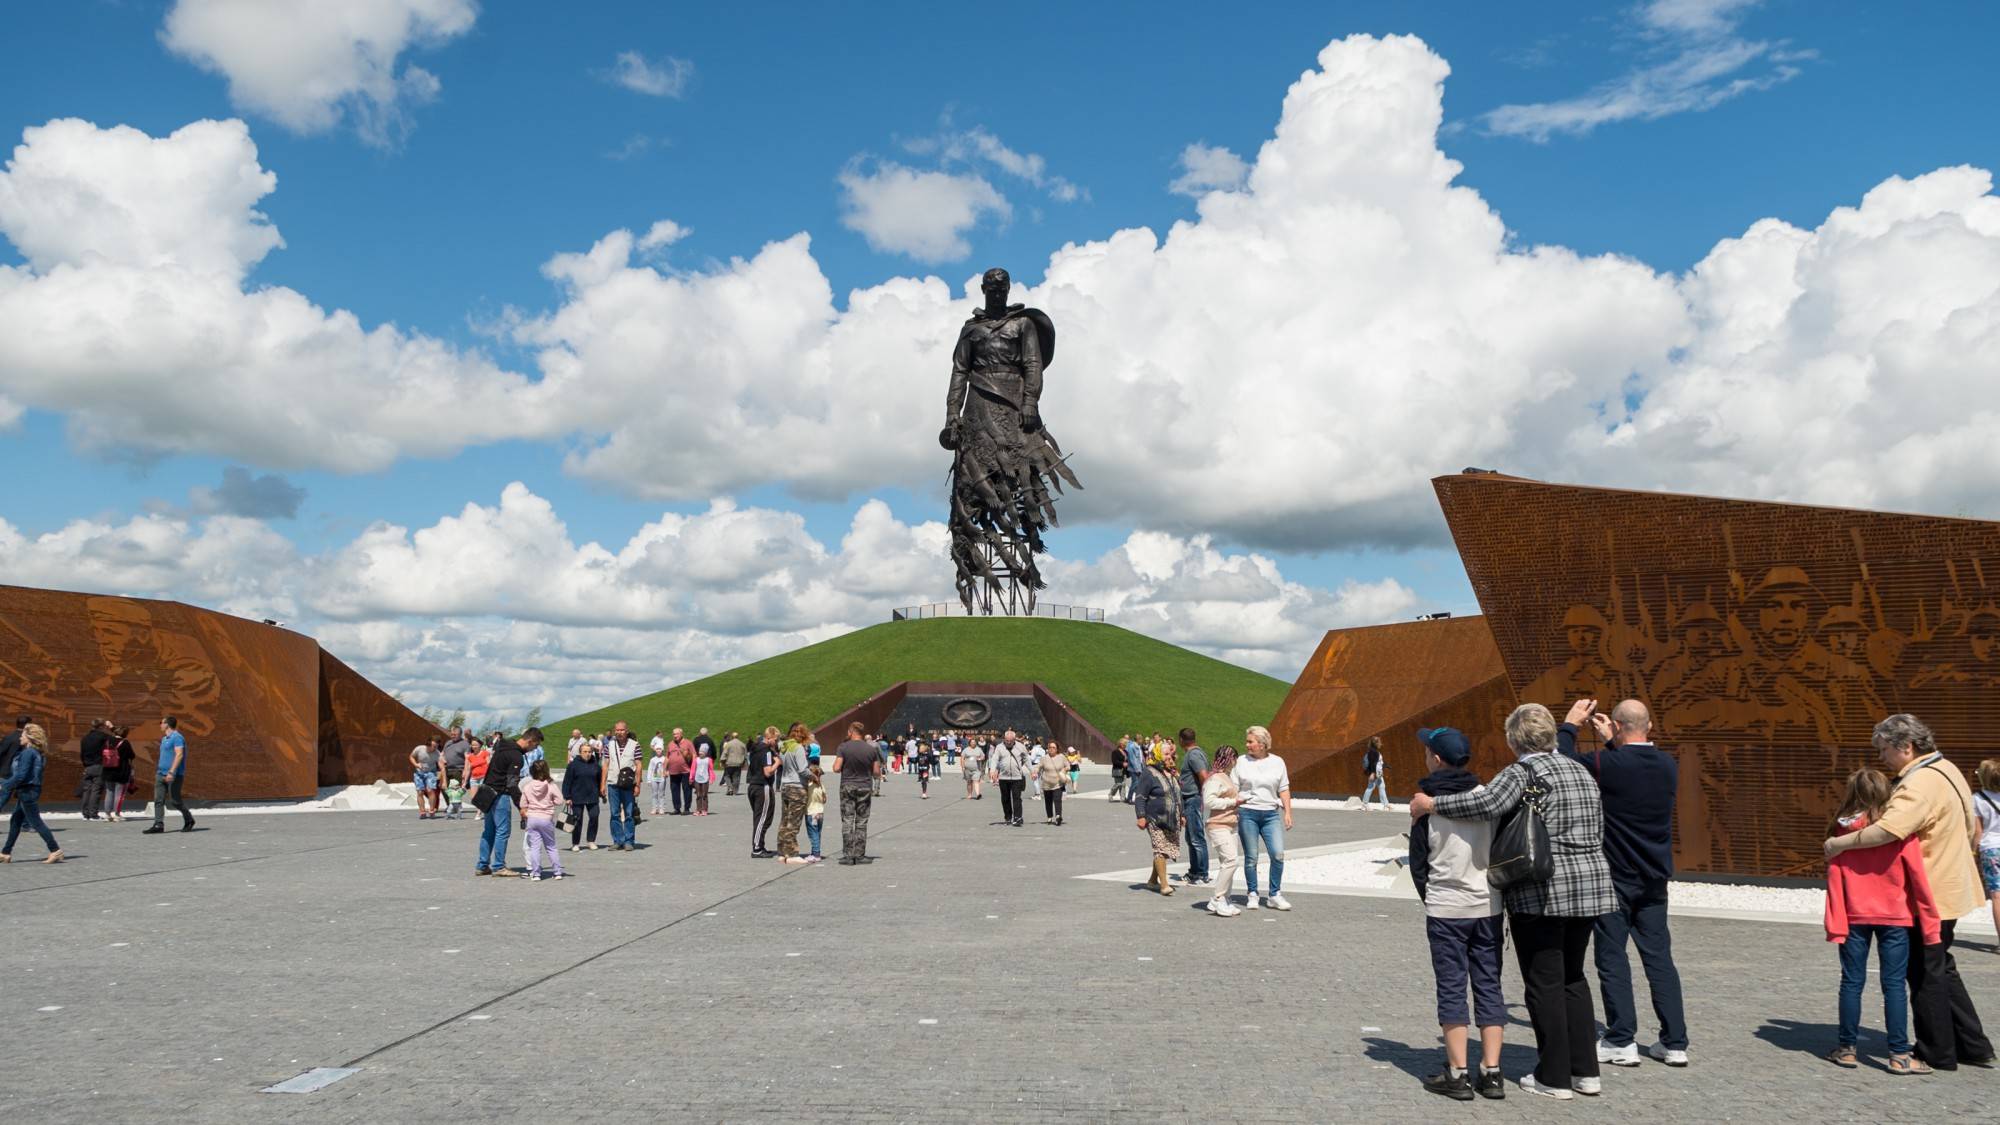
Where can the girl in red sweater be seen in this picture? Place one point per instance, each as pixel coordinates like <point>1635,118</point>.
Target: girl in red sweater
<point>1877,894</point>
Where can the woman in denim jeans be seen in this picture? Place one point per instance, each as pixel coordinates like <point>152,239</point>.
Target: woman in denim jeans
<point>23,783</point>
<point>1266,787</point>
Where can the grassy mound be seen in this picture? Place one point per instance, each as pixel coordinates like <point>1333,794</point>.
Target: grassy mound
<point>1116,679</point>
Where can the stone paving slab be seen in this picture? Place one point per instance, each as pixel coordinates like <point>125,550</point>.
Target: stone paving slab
<point>687,982</point>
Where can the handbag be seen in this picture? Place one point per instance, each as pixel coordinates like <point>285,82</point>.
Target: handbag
<point>565,817</point>
<point>1520,850</point>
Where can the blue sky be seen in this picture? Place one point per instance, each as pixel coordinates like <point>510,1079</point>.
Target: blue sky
<point>531,148</point>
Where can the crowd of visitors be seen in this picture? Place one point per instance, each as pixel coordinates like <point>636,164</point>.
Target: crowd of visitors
<point>1576,849</point>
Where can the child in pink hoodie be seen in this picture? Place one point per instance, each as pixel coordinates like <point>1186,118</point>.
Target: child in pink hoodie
<point>1877,893</point>
<point>539,798</point>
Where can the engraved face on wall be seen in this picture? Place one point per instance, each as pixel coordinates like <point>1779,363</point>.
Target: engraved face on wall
<point>171,670</point>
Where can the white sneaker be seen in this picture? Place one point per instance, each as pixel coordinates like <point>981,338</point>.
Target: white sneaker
<point>1628,1055</point>
<point>1668,1055</point>
<point>1250,902</point>
<point>1529,1084</point>
<point>1223,908</point>
<point>1277,902</point>
<point>534,878</point>
<point>1588,1087</point>
<point>576,847</point>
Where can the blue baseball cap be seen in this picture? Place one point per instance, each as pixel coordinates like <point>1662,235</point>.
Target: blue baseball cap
<point>1447,743</point>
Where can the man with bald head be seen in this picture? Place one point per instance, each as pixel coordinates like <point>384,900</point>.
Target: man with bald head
<point>1639,782</point>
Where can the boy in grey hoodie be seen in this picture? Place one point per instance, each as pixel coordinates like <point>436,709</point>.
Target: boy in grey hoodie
<point>1462,918</point>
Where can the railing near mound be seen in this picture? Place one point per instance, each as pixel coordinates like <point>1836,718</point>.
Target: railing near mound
<point>954,609</point>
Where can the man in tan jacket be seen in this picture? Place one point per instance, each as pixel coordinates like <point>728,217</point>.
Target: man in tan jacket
<point>1933,803</point>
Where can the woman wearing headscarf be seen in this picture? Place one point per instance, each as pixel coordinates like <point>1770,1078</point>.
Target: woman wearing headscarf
<point>23,784</point>
<point>1157,799</point>
<point>1552,920</point>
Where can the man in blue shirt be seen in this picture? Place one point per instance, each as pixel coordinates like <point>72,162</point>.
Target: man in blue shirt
<point>1135,764</point>
<point>167,783</point>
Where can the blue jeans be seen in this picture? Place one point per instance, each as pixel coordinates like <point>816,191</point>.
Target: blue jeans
<point>493,834</point>
<point>1194,825</point>
<point>624,806</point>
<point>1267,825</point>
<point>1376,790</point>
<point>1642,916</point>
<point>1893,949</point>
<point>27,813</point>
<point>813,826</point>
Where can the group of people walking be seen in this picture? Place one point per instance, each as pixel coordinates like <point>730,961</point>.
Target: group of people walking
<point>1223,810</point>
<point>107,760</point>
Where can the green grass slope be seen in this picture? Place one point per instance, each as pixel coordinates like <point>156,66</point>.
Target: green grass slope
<point>1115,678</point>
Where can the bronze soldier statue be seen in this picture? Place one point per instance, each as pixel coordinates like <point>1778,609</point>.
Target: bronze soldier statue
<point>1006,468</point>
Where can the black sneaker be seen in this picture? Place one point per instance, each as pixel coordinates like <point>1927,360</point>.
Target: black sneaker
<point>188,827</point>
<point>152,830</point>
<point>864,859</point>
<point>1458,1089</point>
<point>846,861</point>
<point>1492,1084</point>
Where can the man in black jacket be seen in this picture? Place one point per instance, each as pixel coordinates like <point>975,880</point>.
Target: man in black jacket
<point>503,782</point>
<point>763,760</point>
<point>91,750</point>
<point>1639,782</point>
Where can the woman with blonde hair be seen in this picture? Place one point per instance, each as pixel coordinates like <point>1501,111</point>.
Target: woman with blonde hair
<point>1157,799</point>
<point>23,784</point>
<point>1265,816</point>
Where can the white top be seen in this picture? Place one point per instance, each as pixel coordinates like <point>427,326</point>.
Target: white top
<point>1261,780</point>
<point>1987,804</point>
<point>658,744</point>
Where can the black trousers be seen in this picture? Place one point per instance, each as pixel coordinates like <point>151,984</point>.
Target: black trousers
<point>1551,954</point>
<point>762,808</point>
<point>1052,803</point>
<point>1010,798</point>
<point>732,778</point>
<point>1946,1024</point>
<point>576,831</point>
<point>683,792</point>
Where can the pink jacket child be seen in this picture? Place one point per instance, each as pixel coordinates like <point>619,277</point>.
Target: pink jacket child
<point>540,798</point>
<point>1879,886</point>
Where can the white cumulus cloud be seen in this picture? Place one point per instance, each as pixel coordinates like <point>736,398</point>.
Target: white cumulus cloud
<point>499,607</point>
<point>924,214</point>
<point>1206,168</point>
<point>306,64</point>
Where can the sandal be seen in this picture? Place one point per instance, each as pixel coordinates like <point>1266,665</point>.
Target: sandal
<point>1844,1057</point>
<point>1908,1064</point>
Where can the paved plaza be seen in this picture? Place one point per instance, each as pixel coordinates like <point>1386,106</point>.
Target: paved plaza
<point>967,976</point>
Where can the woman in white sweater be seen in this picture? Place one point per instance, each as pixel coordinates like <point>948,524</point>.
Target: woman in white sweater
<point>1266,813</point>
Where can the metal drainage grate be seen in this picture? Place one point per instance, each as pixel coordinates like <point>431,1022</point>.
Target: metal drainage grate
<point>318,1078</point>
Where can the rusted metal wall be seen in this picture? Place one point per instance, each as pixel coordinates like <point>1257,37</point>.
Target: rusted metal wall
<point>248,696</point>
<point>1767,638</point>
<point>1388,681</point>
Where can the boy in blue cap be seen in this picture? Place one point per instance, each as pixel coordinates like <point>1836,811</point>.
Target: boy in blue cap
<point>1462,918</point>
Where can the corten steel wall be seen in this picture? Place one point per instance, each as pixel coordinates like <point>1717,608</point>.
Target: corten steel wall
<point>247,696</point>
<point>1068,727</point>
<point>1768,639</point>
<point>1388,681</point>
<point>365,734</point>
